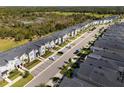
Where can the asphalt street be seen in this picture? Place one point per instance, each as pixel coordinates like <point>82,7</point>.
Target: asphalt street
<point>49,68</point>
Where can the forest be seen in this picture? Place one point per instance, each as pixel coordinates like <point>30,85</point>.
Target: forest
<point>18,24</point>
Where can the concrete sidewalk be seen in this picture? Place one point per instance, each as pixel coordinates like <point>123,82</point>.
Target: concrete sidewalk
<point>11,83</point>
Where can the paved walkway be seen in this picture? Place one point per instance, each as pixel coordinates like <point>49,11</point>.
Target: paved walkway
<point>8,80</point>
<point>11,83</point>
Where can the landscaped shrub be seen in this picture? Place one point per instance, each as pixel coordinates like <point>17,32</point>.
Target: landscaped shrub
<point>75,65</point>
<point>63,69</point>
<point>69,73</point>
<point>55,79</point>
<point>25,74</point>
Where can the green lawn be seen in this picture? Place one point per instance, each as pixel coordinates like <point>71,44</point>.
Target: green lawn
<point>84,52</point>
<point>3,83</point>
<point>56,48</point>
<point>47,54</point>
<point>63,70</point>
<point>65,43</point>
<point>6,44</point>
<point>88,14</point>
<point>64,13</point>
<point>32,64</point>
<point>98,15</point>
<point>14,74</point>
<point>23,81</point>
<point>73,38</point>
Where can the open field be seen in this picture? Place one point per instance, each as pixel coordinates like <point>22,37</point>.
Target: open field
<point>98,15</point>
<point>6,44</point>
<point>89,14</point>
<point>24,24</point>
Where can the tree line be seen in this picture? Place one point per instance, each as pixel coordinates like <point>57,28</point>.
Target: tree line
<point>20,22</point>
<point>93,9</point>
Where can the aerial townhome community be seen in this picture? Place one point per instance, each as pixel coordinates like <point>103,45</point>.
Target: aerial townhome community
<point>16,58</point>
<point>104,66</point>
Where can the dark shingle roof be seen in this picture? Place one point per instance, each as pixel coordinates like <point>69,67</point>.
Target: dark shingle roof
<point>3,62</point>
<point>18,51</point>
<point>66,82</point>
<point>108,69</point>
<point>98,76</point>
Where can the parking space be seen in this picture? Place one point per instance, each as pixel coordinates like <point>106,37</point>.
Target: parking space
<point>64,50</point>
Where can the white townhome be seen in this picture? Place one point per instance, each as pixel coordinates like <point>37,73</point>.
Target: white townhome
<point>24,58</point>
<point>41,47</point>
<point>32,55</point>
<point>3,68</point>
<point>65,37</point>
<point>14,58</point>
<point>42,50</point>
<point>52,44</point>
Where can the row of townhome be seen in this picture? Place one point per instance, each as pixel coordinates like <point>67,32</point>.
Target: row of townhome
<point>14,58</point>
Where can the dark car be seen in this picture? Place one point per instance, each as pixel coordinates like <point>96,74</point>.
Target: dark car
<point>60,52</point>
<point>77,51</point>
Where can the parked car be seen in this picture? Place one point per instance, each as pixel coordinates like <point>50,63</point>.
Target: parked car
<point>77,51</point>
<point>60,52</point>
<point>69,46</point>
<point>52,58</point>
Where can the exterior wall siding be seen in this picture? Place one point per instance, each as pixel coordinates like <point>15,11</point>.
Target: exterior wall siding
<point>32,56</point>
<point>42,50</point>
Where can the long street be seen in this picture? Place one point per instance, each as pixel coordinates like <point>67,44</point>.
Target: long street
<point>48,69</point>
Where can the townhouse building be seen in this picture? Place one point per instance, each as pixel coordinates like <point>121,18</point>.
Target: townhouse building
<point>14,58</point>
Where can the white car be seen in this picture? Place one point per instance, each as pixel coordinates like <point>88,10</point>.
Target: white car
<point>52,58</point>
<point>69,46</point>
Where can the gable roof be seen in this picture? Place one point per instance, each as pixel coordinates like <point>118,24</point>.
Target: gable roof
<point>27,48</point>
